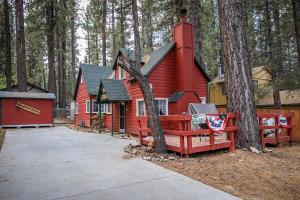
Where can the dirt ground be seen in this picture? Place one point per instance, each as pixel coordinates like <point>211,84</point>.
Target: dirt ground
<point>2,136</point>
<point>272,175</point>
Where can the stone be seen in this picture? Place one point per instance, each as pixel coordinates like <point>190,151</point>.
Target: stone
<point>147,158</point>
<point>232,155</point>
<point>172,158</point>
<point>254,150</point>
<point>134,151</point>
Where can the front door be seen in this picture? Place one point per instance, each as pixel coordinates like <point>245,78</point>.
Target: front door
<point>122,117</point>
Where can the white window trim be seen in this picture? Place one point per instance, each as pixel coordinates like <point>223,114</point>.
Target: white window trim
<point>137,108</point>
<point>86,107</point>
<point>167,105</point>
<point>76,110</point>
<point>107,105</point>
<point>120,78</point>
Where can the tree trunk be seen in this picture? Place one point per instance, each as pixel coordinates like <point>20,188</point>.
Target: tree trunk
<point>73,50</point>
<point>273,64</point>
<point>63,59</point>
<point>114,43</point>
<point>194,8</point>
<point>59,63</point>
<point>134,71</point>
<point>296,11</point>
<point>122,21</point>
<point>8,66</point>
<point>236,66</point>
<point>50,21</point>
<point>104,13</point>
<point>20,47</point>
<point>137,40</point>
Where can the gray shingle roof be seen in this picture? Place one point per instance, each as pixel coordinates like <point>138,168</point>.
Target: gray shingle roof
<point>26,95</point>
<point>115,90</point>
<point>175,97</point>
<point>156,56</point>
<point>92,74</point>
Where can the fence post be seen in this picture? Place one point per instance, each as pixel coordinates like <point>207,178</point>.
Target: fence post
<point>261,131</point>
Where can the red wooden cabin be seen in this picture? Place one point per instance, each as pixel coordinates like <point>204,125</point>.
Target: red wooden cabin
<point>21,109</point>
<point>86,90</point>
<point>176,78</point>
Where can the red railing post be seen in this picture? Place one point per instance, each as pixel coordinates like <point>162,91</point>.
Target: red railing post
<point>261,131</point>
<point>289,131</point>
<point>232,147</point>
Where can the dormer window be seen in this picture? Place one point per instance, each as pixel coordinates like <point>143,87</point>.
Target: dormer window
<point>122,74</point>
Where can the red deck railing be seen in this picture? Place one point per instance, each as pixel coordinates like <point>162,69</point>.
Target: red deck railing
<point>282,134</point>
<point>180,138</point>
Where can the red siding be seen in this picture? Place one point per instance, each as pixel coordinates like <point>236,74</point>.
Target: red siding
<point>11,115</point>
<point>200,83</point>
<point>81,98</point>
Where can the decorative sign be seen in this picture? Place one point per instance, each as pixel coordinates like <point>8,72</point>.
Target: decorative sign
<point>216,123</point>
<point>28,108</point>
<point>282,120</point>
<point>198,119</point>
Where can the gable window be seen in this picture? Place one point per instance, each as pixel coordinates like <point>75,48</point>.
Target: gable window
<point>122,73</point>
<point>161,105</point>
<point>76,108</point>
<point>140,107</point>
<point>87,106</point>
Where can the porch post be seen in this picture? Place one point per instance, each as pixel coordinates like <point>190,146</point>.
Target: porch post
<point>99,111</point>
<point>112,118</point>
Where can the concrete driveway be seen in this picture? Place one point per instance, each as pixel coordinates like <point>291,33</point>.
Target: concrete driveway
<point>60,163</point>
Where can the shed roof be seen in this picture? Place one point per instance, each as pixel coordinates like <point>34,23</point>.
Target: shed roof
<point>92,74</point>
<point>115,90</point>
<point>175,97</point>
<point>26,95</point>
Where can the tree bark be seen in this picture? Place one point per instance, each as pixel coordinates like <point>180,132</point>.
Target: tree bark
<point>59,62</point>
<point>134,71</point>
<point>273,65</point>
<point>114,43</point>
<point>296,11</point>
<point>20,47</point>
<point>194,8</point>
<point>8,65</point>
<point>236,66</point>
<point>137,40</point>
<point>50,21</point>
<point>104,15</point>
<point>73,50</point>
<point>63,102</point>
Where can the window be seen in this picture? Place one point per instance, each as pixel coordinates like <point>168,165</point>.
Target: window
<point>76,108</point>
<point>122,73</point>
<point>108,110</point>
<point>87,106</point>
<point>140,108</point>
<point>161,106</point>
<point>103,108</point>
<point>95,106</point>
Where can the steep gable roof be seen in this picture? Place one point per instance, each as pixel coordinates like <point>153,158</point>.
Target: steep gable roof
<point>154,59</point>
<point>115,90</point>
<point>92,74</point>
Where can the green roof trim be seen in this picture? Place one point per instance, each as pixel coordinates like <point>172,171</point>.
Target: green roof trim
<point>175,97</point>
<point>92,74</point>
<point>115,90</point>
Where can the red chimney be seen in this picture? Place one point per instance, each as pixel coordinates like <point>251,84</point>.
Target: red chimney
<point>183,37</point>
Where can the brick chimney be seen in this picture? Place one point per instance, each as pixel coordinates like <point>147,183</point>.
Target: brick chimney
<point>183,37</point>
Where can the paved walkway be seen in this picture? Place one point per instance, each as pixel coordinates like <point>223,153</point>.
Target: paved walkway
<point>60,163</point>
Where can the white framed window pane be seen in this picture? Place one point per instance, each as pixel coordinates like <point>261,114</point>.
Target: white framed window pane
<point>95,106</point>
<point>108,108</point>
<point>161,106</point>
<point>88,106</point>
<point>76,108</point>
<point>103,106</point>
<point>141,108</point>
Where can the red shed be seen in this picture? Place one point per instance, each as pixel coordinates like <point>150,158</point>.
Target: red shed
<point>24,109</point>
<point>176,78</point>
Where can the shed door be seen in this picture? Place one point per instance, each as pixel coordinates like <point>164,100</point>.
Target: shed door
<point>122,117</point>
